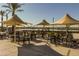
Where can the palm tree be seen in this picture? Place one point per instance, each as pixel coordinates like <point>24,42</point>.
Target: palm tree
<point>13,7</point>
<point>6,14</point>
<point>2,14</point>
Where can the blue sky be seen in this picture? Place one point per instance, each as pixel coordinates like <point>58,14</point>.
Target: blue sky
<point>36,12</point>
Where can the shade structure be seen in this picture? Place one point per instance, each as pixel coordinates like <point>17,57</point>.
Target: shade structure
<point>15,20</point>
<point>44,22</point>
<point>67,20</point>
<point>44,25</point>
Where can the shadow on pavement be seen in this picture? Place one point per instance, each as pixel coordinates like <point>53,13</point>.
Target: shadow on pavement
<point>32,50</point>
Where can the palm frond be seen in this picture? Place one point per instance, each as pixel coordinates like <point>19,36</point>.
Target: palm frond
<point>8,11</point>
<point>13,7</point>
<point>5,6</point>
<point>2,12</point>
<point>20,10</point>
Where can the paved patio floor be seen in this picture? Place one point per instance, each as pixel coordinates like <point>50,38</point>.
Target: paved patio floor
<point>36,48</point>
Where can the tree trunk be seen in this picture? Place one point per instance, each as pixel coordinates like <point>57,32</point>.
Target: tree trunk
<point>2,22</point>
<point>6,17</point>
<point>13,13</point>
<point>14,33</point>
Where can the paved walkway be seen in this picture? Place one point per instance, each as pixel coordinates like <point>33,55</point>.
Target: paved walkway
<point>8,48</point>
<point>65,51</point>
<point>37,49</point>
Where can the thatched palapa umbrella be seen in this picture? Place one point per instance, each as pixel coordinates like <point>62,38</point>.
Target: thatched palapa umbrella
<point>14,21</point>
<point>67,20</point>
<point>43,23</point>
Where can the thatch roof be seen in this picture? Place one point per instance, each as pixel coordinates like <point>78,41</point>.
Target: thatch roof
<point>15,20</point>
<point>67,20</point>
<point>44,22</point>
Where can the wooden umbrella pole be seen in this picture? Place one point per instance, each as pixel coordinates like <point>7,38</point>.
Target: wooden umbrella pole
<point>67,33</point>
<point>43,31</point>
<point>14,33</point>
<point>53,25</point>
<point>7,33</point>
